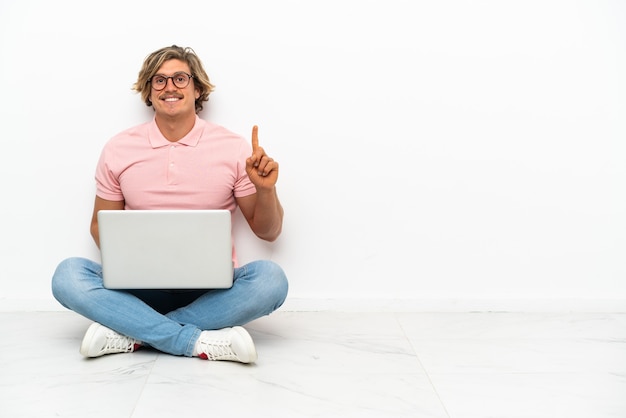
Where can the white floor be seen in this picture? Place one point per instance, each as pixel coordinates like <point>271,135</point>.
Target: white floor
<point>324,364</point>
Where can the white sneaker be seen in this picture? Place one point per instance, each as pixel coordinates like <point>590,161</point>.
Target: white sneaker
<point>100,340</point>
<point>234,344</point>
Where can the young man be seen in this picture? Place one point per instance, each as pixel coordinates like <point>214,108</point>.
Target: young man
<point>179,161</point>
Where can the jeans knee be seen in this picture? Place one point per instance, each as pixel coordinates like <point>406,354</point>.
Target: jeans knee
<point>277,281</point>
<point>66,278</point>
<point>60,277</point>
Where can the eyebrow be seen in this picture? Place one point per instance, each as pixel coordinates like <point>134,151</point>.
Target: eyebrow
<point>165,75</point>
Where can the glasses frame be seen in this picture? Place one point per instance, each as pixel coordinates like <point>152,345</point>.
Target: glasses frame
<point>167,78</point>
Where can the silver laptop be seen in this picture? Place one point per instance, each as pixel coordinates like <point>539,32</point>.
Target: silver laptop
<point>166,249</point>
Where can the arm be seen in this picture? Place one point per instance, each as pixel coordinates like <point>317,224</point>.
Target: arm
<point>264,214</point>
<point>262,210</point>
<point>102,204</point>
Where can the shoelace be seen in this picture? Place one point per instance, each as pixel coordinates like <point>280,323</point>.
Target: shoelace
<point>119,343</point>
<point>216,350</point>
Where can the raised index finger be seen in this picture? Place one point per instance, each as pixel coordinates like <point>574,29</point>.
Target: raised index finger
<point>255,138</point>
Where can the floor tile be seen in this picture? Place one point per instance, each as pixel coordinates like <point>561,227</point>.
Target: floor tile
<point>277,391</point>
<point>532,395</point>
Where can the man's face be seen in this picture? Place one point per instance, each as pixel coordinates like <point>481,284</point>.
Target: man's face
<point>174,101</point>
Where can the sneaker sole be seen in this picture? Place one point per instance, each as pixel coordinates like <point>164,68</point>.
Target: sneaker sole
<point>249,348</point>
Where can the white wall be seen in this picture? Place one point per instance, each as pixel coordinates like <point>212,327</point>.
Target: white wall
<point>434,154</point>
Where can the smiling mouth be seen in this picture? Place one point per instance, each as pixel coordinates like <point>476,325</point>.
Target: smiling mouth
<point>171,99</point>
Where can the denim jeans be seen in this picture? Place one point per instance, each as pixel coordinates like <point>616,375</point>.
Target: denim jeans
<point>169,321</point>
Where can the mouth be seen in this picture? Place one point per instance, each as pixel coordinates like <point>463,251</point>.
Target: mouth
<point>171,98</point>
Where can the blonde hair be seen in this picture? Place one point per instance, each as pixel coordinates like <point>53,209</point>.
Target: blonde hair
<point>154,61</point>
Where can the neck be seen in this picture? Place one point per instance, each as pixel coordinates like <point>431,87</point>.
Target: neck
<point>175,128</point>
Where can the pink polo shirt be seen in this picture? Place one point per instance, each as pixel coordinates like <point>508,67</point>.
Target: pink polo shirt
<point>203,170</point>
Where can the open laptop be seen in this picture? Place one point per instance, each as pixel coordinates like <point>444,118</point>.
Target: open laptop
<point>166,249</point>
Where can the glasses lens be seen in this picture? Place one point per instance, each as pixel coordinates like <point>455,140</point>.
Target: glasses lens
<point>180,80</point>
<point>159,82</point>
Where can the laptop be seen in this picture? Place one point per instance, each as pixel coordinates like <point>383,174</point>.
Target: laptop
<point>166,249</point>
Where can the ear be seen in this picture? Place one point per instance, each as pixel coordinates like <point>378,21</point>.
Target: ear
<point>197,94</point>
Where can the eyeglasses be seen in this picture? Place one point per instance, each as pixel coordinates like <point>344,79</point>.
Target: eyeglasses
<point>180,80</point>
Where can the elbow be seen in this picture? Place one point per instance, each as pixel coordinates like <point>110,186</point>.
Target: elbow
<point>271,235</point>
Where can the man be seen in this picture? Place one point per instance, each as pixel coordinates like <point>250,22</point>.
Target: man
<point>214,169</point>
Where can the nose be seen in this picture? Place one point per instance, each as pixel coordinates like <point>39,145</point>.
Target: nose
<point>167,83</point>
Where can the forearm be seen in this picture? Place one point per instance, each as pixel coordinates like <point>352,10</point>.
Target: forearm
<point>268,215</point>
<point>95,233</point>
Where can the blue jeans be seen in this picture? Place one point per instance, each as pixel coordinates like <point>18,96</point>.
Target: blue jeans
<point>169,321</point>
